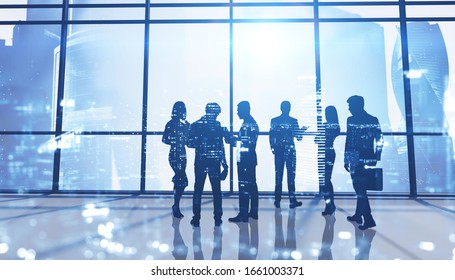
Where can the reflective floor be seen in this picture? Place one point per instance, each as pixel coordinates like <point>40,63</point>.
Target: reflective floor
<point>142,227</point>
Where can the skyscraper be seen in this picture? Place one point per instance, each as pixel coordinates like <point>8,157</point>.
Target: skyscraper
<point>429,76</point>
<point>26,80</point>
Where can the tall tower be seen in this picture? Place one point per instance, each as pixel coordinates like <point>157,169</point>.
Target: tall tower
<point>26,89</point>
<point>46,14</point>
<point>429,61</point>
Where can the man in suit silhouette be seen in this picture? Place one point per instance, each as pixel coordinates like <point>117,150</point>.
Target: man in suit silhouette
<point>246,164</point>
<point>363,149</point>
<point>206,136</point>
<point>283,130</point>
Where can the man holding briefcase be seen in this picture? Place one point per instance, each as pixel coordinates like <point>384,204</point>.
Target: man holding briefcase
<point>362,151</point>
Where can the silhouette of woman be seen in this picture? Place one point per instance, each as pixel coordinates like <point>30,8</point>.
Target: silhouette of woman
<point>176,135</point>
<point>331,131</point>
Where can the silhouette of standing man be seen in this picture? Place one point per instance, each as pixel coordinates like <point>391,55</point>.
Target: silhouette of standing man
<point>283,129</point>
<point>246,164</point>
<point>363,148</point>
<point>176,135</point>
<point>206,136</point>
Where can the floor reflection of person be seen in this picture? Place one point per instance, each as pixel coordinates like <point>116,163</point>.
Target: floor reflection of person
<point>363,242</point>
<point>176,135</point>
<point>362,150</point>
<point>217,243</point>
<point>197,244</point>
<point>327,238</point>
<point>180,250</point>
<point>248,240</point>
<point>284,248</point>
<point>327,138</point>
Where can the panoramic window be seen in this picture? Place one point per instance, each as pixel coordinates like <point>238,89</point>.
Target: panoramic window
<point>87,87</point>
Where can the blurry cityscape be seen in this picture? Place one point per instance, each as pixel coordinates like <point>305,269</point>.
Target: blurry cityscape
<point>429,76</point>
<point>103,93</point>
<point>26,87</point>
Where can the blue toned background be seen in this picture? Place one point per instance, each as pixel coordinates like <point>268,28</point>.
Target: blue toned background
<point>87,86</point>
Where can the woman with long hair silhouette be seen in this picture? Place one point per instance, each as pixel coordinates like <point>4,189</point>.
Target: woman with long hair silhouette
<point>176,135</point>
<point>331,131</point>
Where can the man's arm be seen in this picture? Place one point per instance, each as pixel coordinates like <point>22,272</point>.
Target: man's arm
<point>348,147</point>
<point>224,163</point>
<point>379,141</point>
<point>250,138</point>
<point>192,136</point>
<point>272,136</point>
<point>298,133</point>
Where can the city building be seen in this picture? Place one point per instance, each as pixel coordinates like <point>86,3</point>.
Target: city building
<point>87,87</point>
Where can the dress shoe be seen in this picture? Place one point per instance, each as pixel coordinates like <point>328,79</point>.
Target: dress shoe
<point>218,222</point>
<point>194,222</point>
<point>329,210</point>
<point>239,218</point>
<point>253,216</point>
<point>277,204</point>
<point>355,218</point>
<point>176,212</point>
<point>295,204</point>
<point>367,224</point>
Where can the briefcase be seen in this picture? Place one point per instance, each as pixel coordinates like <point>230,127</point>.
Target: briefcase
<point>369,178</point>
<point>374,182</point>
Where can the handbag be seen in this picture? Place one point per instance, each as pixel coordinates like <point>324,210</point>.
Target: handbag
<point>369,177</point>
<point>375,180</point>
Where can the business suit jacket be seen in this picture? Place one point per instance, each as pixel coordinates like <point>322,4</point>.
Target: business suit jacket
<point>283,129</point>
<point>363,141</point>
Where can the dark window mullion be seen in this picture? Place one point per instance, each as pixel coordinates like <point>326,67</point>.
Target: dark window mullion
<point>145,97</point>
<point>317,53</point>
<point>407,100</point>
<point>231,91</point>
<point>60,94</point>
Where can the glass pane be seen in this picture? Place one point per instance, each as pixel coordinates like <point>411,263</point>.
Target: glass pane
<point>430,11</point>
<point>188,63</point>
<point>431,51</point>
<point>306,179</point>
<point>394,161</point>
<point>26,77</point>
<point>159,172</point>
<point>188,1</point>
<point>34,2</point>
<point>272,12</point>
<point>30,14</point>
<point>434,164</point>
<point>273,63</point>
<point>104,78</point>
<point>190,13</point>
<point>107,2</point>
<point>13,14</point>
<point>357,0</point>
<point>107,14</point>
<point>362,59</point>
<point>266,1</point>
<point>23,165</point>
<point>359,12</point>
<point>100,162</point>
